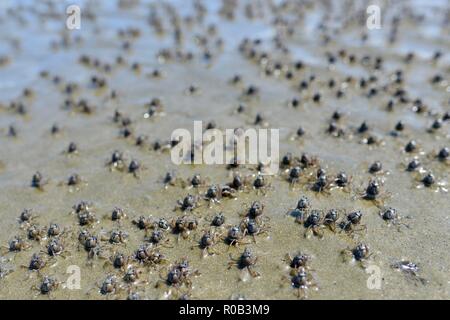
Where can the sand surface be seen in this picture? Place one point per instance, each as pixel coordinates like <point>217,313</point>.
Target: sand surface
<point>34,39</point>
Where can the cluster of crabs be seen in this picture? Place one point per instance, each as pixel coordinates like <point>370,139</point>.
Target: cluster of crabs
<point>213,235</point>
<point>132,271</point>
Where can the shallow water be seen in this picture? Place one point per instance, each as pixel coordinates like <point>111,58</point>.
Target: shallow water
<point>426,242</point>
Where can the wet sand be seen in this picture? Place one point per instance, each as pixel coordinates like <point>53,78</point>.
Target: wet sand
<point>426,242</point>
